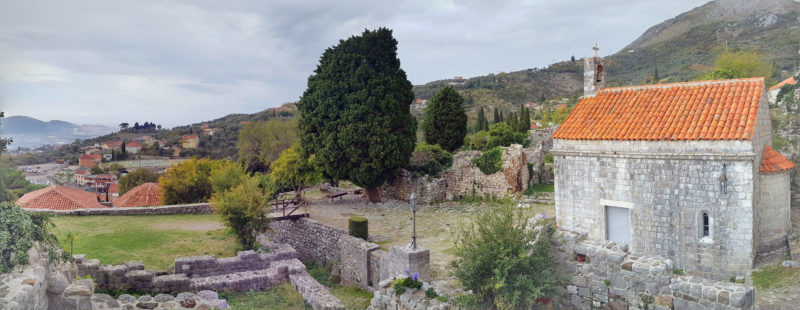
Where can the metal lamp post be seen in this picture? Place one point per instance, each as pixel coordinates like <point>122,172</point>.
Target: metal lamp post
<point>413,201</point>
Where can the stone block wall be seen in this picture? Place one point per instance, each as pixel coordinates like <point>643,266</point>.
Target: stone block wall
<point>312,240</point>
<point>604,273</point>
<point>356,261</point>
<point>773,216</point>
<point>198,208</point>
<point>666,186</point>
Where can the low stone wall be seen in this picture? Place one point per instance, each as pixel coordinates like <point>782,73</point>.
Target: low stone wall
<point>40,286</point>
<point>312,240</point>
<point>362,263</point>
<point>603,273</point>
<point>198,208</point>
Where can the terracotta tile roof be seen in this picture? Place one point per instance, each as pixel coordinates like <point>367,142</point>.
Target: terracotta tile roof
<point>772,161</point>
<point>145,195</point>
<point>59,198</point>
<point>789,81</point>
<point>189,137</point>
<point>705,110</point>
<point>133,144</point>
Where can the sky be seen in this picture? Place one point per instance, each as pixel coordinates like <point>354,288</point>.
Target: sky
<point>181,62</point>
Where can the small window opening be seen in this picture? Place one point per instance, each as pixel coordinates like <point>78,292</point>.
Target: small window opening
<point>706,228</point>
<point>599,73</point>
<point>581,258</point>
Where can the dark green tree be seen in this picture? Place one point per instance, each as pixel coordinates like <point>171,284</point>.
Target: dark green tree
<point>122,148</point>
<point>4,142</point>
<point>355,114</point>
<point>481,123</point>
<point>496,117</point>
<point>445,121</point>
<point>501,116</point>
<point>655,75</point>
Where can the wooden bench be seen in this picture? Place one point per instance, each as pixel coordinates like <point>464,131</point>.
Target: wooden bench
<point>336,195</point>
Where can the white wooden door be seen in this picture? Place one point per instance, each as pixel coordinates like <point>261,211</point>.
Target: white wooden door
<point>618,225</point>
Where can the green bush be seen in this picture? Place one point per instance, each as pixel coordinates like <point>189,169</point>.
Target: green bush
<point>490,161</point>
<point>18,232</point>
<point>431,293</point>
<point>429,159</point>
<point>242,209</point>
<point>500,134</point>
<point>504,264</point>
<point>358,227</point>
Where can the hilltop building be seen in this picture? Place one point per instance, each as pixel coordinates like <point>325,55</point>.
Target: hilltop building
<point>775,89</point>
<point>190,142</point>
<point>90,161</point>
<point>684,171</point>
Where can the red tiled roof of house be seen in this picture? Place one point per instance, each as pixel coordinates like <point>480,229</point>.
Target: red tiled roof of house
<point>133,144</point>
<point>96,156</point>
<point>789,81</point>
<point>113,188</point>
<point>113,143</point>
<point>772,161</point>
<point>705,110</point>
<point>81,171</point>
<point>145,195</point>
<point>189,137</point>
<point>59,198</point>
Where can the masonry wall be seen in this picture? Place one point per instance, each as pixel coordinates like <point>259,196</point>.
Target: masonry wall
<point>607,274</point>
<point>773,216</point>
<point>666,185</point>
<point>312,240</point>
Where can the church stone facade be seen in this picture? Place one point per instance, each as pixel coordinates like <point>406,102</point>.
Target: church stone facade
<point>684,171</point>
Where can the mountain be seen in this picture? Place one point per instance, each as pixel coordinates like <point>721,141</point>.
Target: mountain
<point>31,132</point>
<point>681,48</point>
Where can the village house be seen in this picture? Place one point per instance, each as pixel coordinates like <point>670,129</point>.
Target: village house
<point>190,142</point>
<point>133,147</point>
<point>209,131</point>
<point>99,181</point>
<point>90,161</point>
<point>773,91</point>
<point>145,195</point>
<point>112,145</point>
<point>684,171</point>
<point>80,175</point>
<point>144,140</point>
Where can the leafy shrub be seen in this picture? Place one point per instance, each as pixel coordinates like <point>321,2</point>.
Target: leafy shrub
<point>18,232</point>
<point>187,182</point>
<point>291,171</point>
<point>358,227</point>
<point>505,265</point>
<point>241,209</point>
<point>431,293</point>
<point>429,159</point>
<point>500,134</point>
<point>136,178</point>
<point>490,161</point>
<point>412,281</point>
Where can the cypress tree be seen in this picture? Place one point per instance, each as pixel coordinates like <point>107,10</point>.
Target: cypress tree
<point>445,121</point>
<point>480,123</point>
<point>526,120</point>
<point>501,116</point>
<point>655,75</point>
<point>355,116</point>
<point>496,116</point>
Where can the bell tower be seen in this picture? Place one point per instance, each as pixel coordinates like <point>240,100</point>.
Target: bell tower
<point>594,74</point>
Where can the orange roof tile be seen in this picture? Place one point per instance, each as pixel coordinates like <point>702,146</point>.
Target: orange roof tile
<point>705,110</point>
<point>145,195</point>
<point>772,161</point>
<point>789,81</point>
<point>59,198</point>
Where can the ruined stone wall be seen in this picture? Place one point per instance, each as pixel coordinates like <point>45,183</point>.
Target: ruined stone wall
<point>773,216</point>
<point>192,273</point>
<point>463,179</point>
<point>603,273</point>
<point>198,208</point>
<point>666,186</point>
<point>312,240</point>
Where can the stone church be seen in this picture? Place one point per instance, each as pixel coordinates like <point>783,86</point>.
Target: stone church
<point>684,171</point>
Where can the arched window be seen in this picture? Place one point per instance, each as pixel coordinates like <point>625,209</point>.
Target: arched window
<point>706,227</point>
<point>599,73</point>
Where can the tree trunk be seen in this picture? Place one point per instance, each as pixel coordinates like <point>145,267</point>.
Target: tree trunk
<point>372,195</point>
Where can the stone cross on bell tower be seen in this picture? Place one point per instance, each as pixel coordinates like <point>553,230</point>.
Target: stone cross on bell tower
<point>594,74</point>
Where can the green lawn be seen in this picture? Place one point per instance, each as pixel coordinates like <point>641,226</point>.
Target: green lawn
<point>283,296</point>
<point>156,240</point>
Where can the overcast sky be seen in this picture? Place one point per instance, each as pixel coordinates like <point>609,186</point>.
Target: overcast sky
<point>178,62</point>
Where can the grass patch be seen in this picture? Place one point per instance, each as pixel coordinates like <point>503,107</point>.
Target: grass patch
<point>352,297</point>
<point>156,240</point>
<point>283,296</point>
<point>540,188</point>
<point>775,276</point>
